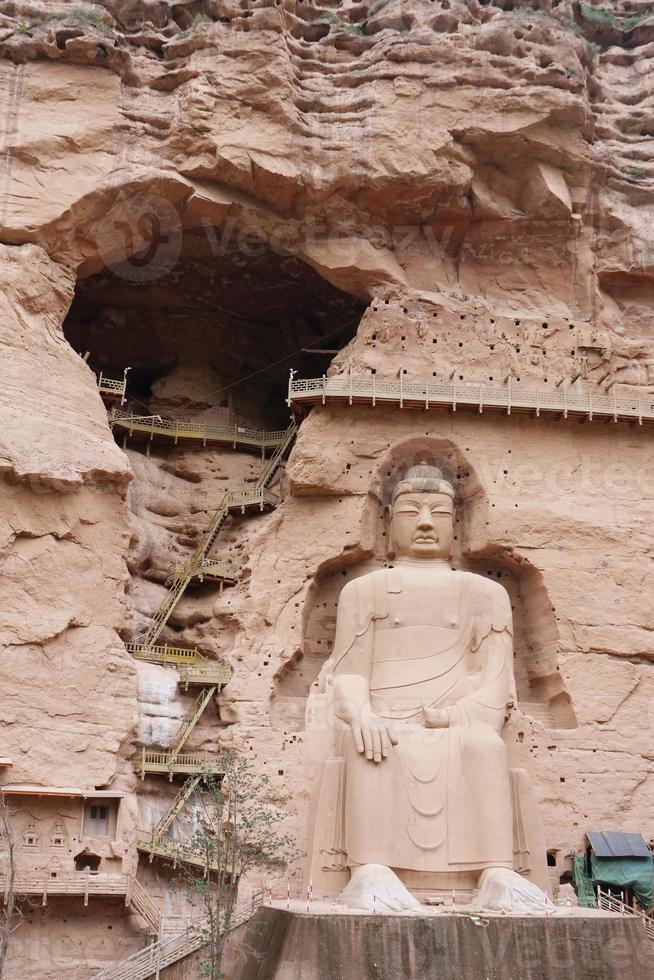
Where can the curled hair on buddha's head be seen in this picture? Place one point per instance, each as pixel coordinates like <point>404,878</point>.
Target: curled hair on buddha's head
<point>423,478</point>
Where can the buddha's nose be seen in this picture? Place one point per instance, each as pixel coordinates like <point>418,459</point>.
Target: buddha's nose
<point>425,520</point>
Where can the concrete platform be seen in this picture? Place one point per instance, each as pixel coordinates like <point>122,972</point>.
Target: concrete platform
<point>281,944</point>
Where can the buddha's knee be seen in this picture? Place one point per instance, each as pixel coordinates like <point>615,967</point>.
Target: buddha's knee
<point>481,743</point>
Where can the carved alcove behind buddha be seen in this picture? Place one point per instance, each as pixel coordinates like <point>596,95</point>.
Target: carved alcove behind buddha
<point>541,690</point>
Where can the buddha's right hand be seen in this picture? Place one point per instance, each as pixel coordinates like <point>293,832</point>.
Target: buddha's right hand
<point>370,731</point>
<point>372,735</point>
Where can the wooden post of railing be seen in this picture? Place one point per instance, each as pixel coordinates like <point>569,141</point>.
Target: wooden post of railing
<point>235,431</point>
<point>426,396</point>
<point>401,389</point>
<point>615,405</point>
<point>176,430</point>
<point>565,398</point>
<point>590,404</point>
<point>481,399</point>
<point>143,762</point>
<point>373,390</point>
<point>350,384</point>
<point>538,403</point>
<point>324,388</point>
<point>508,402</point>
<point>454,395</point>
<point>640,412</point>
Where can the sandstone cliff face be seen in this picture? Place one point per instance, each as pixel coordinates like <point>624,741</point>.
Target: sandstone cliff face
<point>455,190</point>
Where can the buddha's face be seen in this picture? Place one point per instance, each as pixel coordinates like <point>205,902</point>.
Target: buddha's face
<point>422,525</point>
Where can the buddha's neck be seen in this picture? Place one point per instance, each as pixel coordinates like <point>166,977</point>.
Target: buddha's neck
<point>440,563</point>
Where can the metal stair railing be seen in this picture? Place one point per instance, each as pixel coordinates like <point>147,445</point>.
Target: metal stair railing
<point>610,903</point>
<point>179,586</point>
<point>158,955</point>
<point>273,463</point>
<point>162,614</point>
<point>201,702</point>
<point>149,961</point>
<point>260,496</point>
<point>178,803</point>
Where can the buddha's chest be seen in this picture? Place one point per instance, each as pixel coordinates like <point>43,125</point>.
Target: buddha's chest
<point>423,602</point>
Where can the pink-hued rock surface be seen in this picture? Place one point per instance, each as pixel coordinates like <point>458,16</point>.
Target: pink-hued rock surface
<point>449,189</point>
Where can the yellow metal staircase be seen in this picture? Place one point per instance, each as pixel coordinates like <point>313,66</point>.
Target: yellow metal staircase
<point>259,497</point>
<point>201,702</point>
<point>151,961</point>
<point>179,802</point>
<point>194,669</point>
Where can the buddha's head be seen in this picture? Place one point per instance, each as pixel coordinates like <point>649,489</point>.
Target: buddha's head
<point>422,515</point>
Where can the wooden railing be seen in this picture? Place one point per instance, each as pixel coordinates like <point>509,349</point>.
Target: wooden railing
<point>68,883</point>
<point>170,851</point>
<point>169,763</point>
<point>211,567</point>
<point>112,388</point>
<point>209,673</point>
<point>86,883</point>
<point>256,497</point>
<point>204,432</point>
<point>163,654</point>
<point>566,401</point>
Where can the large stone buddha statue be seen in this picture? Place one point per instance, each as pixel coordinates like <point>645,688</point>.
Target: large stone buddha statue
<point>419,682</point>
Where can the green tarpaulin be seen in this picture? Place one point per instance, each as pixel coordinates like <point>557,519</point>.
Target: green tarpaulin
<point>585,890</point>
<point>636,873</point>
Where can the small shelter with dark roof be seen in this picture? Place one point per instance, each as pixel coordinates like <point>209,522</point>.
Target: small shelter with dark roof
<point>621,862</point>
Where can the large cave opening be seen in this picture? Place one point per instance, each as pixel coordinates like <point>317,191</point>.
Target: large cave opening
<point>213,337</point>
<point>209,339</point>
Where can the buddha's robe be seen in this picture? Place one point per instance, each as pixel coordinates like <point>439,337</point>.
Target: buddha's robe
<point>429,637</point>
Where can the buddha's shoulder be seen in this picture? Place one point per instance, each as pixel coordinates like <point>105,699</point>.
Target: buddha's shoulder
<point>365,583</point>
<point>476,584</point>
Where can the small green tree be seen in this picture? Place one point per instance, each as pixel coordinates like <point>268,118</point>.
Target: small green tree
<point>237,830</point>
<point>10,916</point>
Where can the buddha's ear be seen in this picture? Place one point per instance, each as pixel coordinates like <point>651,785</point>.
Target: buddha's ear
<point>390,544</point>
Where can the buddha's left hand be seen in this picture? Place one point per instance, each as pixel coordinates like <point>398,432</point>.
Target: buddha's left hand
<point>435,718</point>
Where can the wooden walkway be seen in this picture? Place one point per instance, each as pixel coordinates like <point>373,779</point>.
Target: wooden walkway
<point>154,428</point>
<point>191,666</point>
<point>567,402</point>
<point>176,763</point>
<point>85,884</point>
